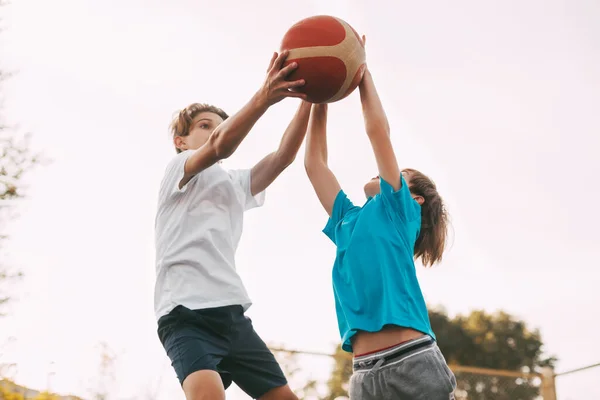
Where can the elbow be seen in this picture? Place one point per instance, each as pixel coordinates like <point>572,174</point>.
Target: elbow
<point>377,126</point>
<point>312,167</point>
<point>287,161</point>
<point>306,167</point>
<point>307,164</point>
<point>311,160</point>
<point>378,130</point>
<point>223,152</point>
<point>284,159</point>
<point>218,143</point>
<point>386,127</point>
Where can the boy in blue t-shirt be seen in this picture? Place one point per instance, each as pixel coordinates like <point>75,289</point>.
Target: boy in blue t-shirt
<point>381,311</point>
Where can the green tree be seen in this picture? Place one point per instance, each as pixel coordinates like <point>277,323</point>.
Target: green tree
<point>47,396</point>
<point>488,340</point>
<point>6,392</point>
<point>16,160</point>
<point>496,341</point>
<point>340,375</point>
<point>289,363</point>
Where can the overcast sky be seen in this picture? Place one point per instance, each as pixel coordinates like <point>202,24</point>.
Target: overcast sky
<point>498,101</point>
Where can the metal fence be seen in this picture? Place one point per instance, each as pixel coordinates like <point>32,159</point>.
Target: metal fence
<point>579,384</point>
<point>473,383</point>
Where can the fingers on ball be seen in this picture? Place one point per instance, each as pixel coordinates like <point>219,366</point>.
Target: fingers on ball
<point>288,69</point>
<point>299,95</point>
<point>272,62</point>
<point>294,84</point>
<point>281,59</point>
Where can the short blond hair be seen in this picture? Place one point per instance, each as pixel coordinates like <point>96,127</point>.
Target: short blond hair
<point>182,122</point>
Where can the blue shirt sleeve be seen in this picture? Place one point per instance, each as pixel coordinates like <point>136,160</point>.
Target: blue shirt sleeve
<point>341,206</point>
<point>400,202</point>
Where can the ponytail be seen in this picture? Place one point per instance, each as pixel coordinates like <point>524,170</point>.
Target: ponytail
<point>431,242</point>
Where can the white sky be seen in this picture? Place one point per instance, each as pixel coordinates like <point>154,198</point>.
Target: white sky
<point>498,102</point>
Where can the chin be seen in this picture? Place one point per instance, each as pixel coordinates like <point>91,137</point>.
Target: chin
<point>371,189</point>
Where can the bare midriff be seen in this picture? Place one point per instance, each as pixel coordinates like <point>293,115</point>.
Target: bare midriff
<point>390,336</point>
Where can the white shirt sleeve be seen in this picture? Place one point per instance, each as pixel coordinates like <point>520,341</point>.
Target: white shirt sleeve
<point>174,173</point>
<point>242,179</point>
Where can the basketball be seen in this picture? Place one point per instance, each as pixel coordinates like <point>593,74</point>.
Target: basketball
<point>330,57</point>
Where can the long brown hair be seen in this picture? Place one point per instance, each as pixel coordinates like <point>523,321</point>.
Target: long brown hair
<point>182,122</point>
<point>431,242</point>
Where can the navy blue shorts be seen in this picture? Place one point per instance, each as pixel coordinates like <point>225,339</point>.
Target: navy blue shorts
<point>220,339</point>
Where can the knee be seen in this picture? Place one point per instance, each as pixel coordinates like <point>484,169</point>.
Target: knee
<point>204,395</point>
<point>204,385</point>
<point>288,396</point>
<point>280,393</point>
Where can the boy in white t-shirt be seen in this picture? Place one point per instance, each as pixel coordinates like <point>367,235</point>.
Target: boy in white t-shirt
<point>199,298</point>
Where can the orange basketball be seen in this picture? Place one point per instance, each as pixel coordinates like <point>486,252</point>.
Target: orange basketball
<point>330,57</point>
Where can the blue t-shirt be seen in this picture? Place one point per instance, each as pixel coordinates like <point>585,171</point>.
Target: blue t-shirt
<point>374,276</point>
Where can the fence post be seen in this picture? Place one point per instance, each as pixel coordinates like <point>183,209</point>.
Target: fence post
<point>548,391</point>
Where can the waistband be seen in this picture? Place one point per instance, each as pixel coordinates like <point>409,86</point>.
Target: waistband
<point>387,356</point>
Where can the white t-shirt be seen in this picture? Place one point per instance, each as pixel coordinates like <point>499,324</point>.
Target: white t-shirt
<point>197,231</point>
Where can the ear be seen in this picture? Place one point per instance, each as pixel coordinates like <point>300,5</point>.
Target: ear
<point>419,199</point>
<point>180,143</point>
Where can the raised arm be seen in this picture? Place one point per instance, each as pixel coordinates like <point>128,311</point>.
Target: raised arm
<point>322,179</point>
<point>226,138</point>
<point>378,130</point>
<point>270,167</point>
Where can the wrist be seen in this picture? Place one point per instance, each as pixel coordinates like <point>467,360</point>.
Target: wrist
<point>366,76</point>
<point>260,101</point>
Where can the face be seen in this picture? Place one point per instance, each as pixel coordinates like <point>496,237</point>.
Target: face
<point>202,126</point>
<point>372,187</point>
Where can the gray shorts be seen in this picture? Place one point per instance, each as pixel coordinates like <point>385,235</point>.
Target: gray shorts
<point>414,370</point>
